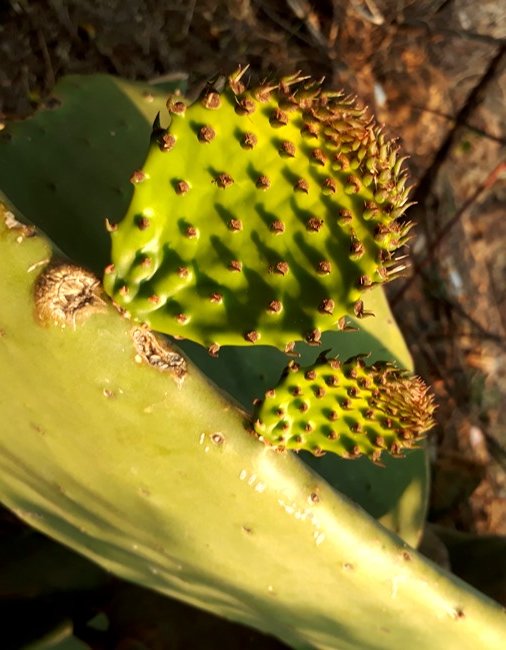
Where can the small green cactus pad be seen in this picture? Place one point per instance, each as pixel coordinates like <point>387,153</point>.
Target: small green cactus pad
<point>348,409</point>
<point>260,215</point>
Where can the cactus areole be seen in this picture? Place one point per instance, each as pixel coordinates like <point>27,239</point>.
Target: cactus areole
<point>260,216</point>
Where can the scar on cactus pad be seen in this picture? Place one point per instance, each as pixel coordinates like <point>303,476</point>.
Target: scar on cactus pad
<point>260,215</point>
<point>349,409</point>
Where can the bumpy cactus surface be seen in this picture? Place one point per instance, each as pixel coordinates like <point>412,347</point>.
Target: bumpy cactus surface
<point>349,409</point>
<point>259,216</point>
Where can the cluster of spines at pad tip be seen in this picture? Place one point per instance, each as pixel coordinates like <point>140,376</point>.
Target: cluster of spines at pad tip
<point>260,215</point>
<point>349,409</point>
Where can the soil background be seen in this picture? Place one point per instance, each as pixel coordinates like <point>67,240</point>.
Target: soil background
<point>434,72</point>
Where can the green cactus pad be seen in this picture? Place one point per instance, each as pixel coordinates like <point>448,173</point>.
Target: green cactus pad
<point>260,215</point>
<point>348,409</point>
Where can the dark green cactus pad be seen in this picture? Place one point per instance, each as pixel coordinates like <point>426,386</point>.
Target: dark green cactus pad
<point>259,216</point>
<point>348,409</point>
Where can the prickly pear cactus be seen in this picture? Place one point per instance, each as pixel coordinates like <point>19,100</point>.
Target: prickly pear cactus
<point>260,215</point>
<point>349,409</point>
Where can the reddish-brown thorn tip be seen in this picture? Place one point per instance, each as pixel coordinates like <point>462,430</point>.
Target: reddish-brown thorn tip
<point>287,148</point>
<point>235,265</point>
<point>182,187</point>
<point>224,180</point>
<point>249,140</point>
<point>137,177</point>
<point>142,223</point>
<point>314,224</point>
<point>277,227</point>
<point>324,267</point>
<point>319,156</point>
<point>326,306</point>
<point>211,100</point>
<point>278,118</point>
<point>301,186</point>
<point>183,272</point>
<point>329,186</point>
<point>166,141</point>
<point>263,182</point>
<point>252,337</point>
<point>314,337</point>
<point>206,133</point>
<point>274,307</point>
<point>235,225</point>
